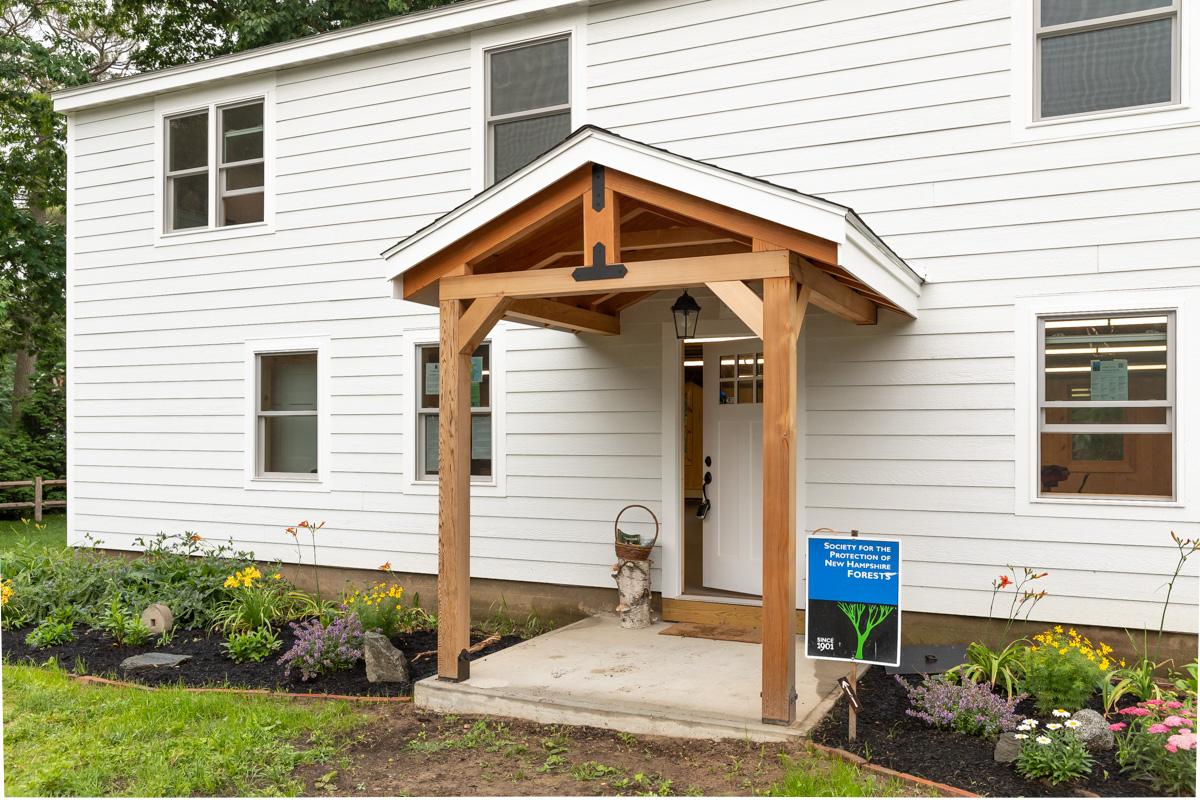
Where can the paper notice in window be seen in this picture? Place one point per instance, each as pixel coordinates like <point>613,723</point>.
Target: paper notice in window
<point>1110,379</point>
<point>481,437</point>
<point>432,383</point>
<point>476,369</point>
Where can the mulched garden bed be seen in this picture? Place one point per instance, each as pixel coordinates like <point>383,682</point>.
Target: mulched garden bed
<point>98,655</point>
<point>889,737</point>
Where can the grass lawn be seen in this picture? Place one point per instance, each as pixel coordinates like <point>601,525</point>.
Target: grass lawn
<point>64,738</point>
<point>17,534</point>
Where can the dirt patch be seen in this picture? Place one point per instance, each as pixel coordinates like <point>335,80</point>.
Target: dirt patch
<point>95,653</point>
<point>889,737</point>
<point>410,752</point>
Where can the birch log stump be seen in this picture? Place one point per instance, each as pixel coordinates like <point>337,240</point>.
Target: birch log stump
<point>633,593</point>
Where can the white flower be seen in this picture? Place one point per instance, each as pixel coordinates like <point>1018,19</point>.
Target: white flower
<point>1030,722</point>
<point>1020,735</point>
<point>1042,740</point>
<point>1061,712</point>
<point>1053,726</point>
<point>1073,723</point>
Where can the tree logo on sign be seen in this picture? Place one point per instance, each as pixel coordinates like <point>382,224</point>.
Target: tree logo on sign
<point>874,614</point>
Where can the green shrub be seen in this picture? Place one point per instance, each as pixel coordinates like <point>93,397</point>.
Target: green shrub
<point>1064,669</point>
<point>59,628</point>
<point>256,645</point>
<point>1054,753</point>
<point>1002,669</point>
<point>254,601</point>
<point>125,628</point>
<point>381,608</point>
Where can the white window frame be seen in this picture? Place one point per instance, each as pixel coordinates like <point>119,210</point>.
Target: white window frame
<point>1184,304</point>
<point>488,40</point>
<point>414,481</point>
<point>1027,125</point>
<point>212,101</point>
<point>253,441</point>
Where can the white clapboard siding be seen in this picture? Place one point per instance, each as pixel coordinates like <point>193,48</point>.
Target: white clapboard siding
<point>898,108</point>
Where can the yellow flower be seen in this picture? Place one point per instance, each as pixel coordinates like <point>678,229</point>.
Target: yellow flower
<point>6,593</point>
<point>1058,629</point>
<point>1062,651</point>
<point>231,582</point>
<point>277,577</point>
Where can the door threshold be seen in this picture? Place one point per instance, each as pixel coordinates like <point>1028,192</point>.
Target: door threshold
<point>737,612</point>
<point>736,600</point>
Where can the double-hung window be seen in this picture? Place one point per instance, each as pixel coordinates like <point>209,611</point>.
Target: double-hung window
<point>214,167</point>
<point>1106,406</point>
<point>286,415</point>
<point>1102,55</point>
<point>428,396</point>
<point>528,102</point>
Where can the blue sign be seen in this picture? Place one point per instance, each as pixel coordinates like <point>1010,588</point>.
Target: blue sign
<point>853,606</point>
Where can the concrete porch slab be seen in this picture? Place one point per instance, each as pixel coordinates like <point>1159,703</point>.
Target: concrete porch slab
<point>596,673</point>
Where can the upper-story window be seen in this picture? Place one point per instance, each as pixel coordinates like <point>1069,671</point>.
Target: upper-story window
<point>1104,55</point>
<point>528,102</point>
<point>214,167</point>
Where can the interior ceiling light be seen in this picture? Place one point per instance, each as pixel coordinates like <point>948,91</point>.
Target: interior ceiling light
<point>1112,321</point>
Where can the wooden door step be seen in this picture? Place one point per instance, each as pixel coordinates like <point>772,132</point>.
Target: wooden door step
<point>720,633</point>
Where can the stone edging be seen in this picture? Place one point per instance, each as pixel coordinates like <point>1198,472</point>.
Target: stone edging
<point>859,761</point>
<point>253,692</point>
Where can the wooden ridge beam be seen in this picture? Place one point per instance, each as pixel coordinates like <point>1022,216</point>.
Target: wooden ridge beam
<point>653,275</point>
<point>537,311</point>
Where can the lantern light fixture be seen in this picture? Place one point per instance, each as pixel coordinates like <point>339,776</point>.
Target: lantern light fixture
<point>687,314</point>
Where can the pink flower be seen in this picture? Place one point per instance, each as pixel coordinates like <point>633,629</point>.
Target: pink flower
<point>1173,704</point>
<point>1117,726</point>
<point>1152,703</point>
<point>1174,721</point>
<point>1134,711</point>
<point>1158,727</point>
<point>1182,741</point>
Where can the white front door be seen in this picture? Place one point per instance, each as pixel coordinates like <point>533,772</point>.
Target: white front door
<point>733,455</point>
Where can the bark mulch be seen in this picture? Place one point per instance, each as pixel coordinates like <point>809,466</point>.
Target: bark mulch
<point>95,653</point>
<point>889,737</point>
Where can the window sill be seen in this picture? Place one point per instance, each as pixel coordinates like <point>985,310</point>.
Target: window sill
<point>259,483</point>
<point>193,235</point>
<point>1103,123</point>
<point>490,488</point>
<point>1102,501</point>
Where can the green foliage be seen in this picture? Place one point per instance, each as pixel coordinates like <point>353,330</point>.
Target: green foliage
<point>1152,747</point>
<point>1059,679</point>
<point>254,602</point>
<point>124,627</point>
<point>593,770</point>
<point>1185,682</point>
<point>184,572</point>
<point>57,629</point>
<point>1056,756</point>
<point>256,645</point>
<point>813,777</point>
<point>1141,679</point>
<point>381,608</point>
<point>67,739</point>
<point>502,623</point>
<point>1113,688</point>
<point>1002,669</point>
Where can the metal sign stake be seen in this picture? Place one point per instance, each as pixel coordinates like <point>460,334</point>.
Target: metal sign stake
<point>853,733</point>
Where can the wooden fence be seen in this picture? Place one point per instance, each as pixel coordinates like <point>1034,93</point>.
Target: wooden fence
<point>39,503</point>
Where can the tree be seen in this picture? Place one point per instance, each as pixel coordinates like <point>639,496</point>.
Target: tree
<point>875,615</point>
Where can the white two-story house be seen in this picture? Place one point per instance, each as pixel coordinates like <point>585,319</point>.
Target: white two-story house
<point>250,343</point>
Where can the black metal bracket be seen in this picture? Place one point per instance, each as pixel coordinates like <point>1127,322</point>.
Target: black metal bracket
<point>597,187</point>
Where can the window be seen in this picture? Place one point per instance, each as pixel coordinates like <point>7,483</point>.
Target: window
<point>1106,405</point>
<point>1102,55</point>
<point>741,379</point>
<point>481,411</point>
<point>528,102</point>
<point>286,415</point>
<point>237,182</point>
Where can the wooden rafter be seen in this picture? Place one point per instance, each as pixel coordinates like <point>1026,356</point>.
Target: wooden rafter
<point>742,301</point>
<point>563,317</point>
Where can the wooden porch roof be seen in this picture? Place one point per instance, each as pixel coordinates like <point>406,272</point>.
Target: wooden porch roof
<point>663,208</point>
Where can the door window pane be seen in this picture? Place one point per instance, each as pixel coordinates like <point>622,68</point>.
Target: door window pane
<point>530,77</point>
<point>1118,67</point>
<point>516,143</point>
<point>187,142</point>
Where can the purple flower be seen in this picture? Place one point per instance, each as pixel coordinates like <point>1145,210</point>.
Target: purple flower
<point>321,649</point>
<point>968,708</point>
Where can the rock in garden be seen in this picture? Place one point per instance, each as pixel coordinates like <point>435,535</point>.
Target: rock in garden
<point>385,664</point>
<point>1008,747</point>
<point>1093,730</point>
<point>153,661</point>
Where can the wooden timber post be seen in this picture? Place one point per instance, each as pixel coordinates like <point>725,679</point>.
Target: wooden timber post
<point>783,314</point>
<point>454,497</point>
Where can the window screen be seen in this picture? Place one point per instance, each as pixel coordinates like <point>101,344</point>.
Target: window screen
<point>187,171</point>
<point>287,414</point>
<point>1107,406</point>
<point>1100,55</point>
<point>529,103</point>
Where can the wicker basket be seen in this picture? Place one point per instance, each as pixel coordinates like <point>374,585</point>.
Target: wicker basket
<point>634,552</point>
